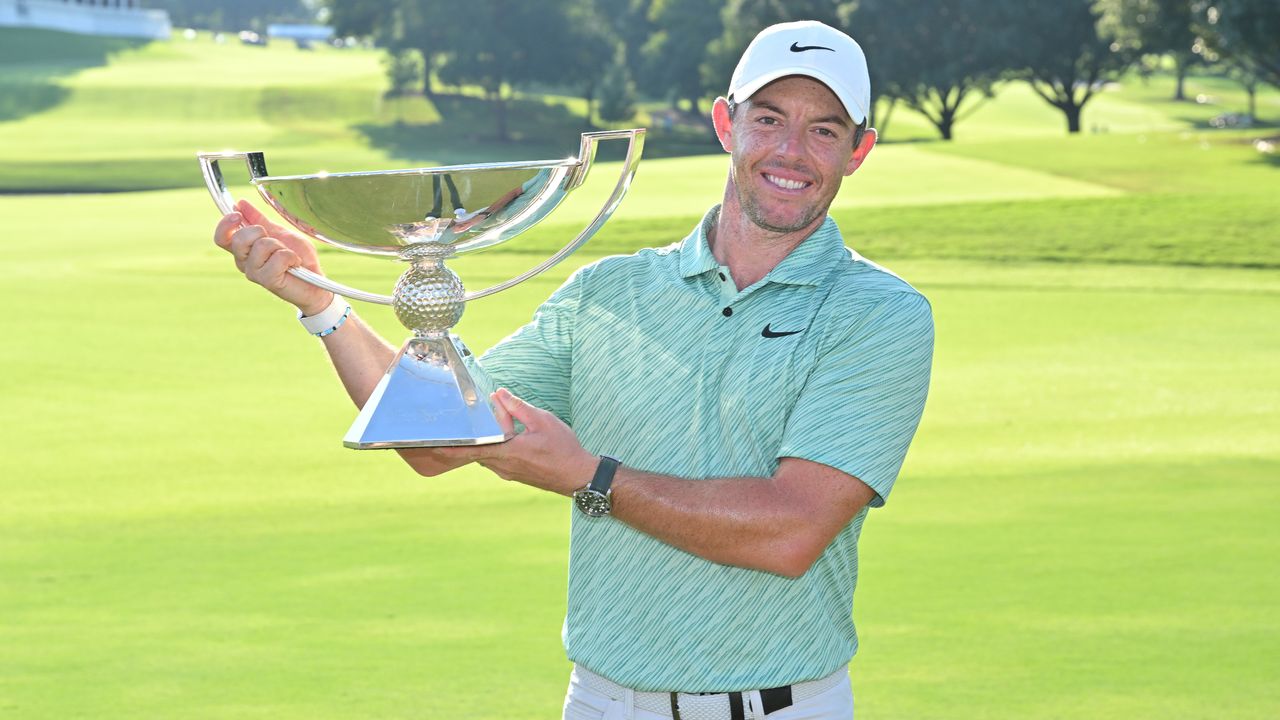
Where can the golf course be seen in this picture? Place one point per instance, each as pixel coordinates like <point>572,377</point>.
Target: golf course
<point>1087,524</point>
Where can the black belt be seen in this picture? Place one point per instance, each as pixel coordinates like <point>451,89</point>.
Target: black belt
<point>773,699</point>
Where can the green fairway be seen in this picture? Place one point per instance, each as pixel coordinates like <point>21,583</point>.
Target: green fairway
<point>1085,527</point>
<point>1092,484</point>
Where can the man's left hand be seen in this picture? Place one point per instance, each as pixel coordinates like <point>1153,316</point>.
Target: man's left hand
<point>546,455</point>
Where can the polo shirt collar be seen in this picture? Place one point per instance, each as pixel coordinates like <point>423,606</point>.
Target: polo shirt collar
<point>809,264</point>
<point>695,251</point>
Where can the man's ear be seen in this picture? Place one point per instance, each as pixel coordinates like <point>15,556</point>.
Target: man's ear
<point>722,123</point>
<point>860,153</point>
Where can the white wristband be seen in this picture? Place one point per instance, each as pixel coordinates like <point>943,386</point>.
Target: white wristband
<point>327,320</point>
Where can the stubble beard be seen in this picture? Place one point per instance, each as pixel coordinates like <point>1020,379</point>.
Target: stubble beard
<point>757,216</point>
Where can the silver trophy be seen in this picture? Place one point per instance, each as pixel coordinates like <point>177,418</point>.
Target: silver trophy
<point>423,217</point>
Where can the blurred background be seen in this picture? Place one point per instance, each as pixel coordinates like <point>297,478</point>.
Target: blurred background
<point>1086,191</point>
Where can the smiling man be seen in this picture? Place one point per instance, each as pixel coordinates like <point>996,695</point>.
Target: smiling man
<point>723,411</point>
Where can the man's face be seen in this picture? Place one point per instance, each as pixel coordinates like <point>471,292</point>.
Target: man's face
<point>791,144</point>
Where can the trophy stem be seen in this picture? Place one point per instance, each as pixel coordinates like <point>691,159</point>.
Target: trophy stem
<point>427,397</point>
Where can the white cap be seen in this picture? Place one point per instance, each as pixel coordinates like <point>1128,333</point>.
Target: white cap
<point>806,48</point>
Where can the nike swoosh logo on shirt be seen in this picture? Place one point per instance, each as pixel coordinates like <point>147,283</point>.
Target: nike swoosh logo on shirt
<point>766,332</point>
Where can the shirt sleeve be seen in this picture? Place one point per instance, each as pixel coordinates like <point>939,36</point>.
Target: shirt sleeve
<point>862,402</point>
<point>535,362</point>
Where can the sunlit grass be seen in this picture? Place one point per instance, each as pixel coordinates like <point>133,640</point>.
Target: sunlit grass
<point>1084,527</point>
<point>1092,475</point>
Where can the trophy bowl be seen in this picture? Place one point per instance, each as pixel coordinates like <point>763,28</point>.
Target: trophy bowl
<point>424,216</point>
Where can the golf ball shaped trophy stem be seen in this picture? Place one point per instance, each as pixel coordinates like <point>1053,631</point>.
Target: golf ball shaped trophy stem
<point>427,397</point>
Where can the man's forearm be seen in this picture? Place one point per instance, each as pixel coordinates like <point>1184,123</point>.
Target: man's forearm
<point>360,356</point>
<point>735,521</point>
<point>779,525</point>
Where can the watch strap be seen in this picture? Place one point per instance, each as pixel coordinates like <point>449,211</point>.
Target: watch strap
<point>603,478</point>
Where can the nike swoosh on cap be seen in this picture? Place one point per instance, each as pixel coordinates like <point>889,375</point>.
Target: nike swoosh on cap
<point>797,47</point>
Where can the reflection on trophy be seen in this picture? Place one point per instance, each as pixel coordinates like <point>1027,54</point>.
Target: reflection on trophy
<point>423,217</point>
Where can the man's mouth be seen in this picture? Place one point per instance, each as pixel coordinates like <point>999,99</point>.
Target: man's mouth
<point>785,183</point>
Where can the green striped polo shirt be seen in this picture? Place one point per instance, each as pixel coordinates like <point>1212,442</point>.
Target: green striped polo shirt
<point>659,360</point>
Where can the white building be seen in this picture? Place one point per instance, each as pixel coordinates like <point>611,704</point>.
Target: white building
<point>116,18</point>
<point>295,31</point>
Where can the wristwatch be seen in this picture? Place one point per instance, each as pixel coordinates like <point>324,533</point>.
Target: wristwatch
<point>593,500</point>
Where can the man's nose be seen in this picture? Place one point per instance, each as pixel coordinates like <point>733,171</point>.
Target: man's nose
<point>792,143</point>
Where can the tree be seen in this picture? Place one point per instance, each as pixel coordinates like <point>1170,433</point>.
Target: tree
<point>1247,31</point>
<point>940,57</point>
<point>743,19</point>
<point>592,45</point>
<point>495,44</point>
<point>352,18</point>
<point>508,42</point>
<point>1159,27</point>
<point>404,70</point>
<point>403,25</point>
<point>866,28</point>
<point>617,97</point>
<point>1063,54</point>
<point>1245,72</point>
<point>671,59</point>
<point>234,15</point>
<point>630,22</point>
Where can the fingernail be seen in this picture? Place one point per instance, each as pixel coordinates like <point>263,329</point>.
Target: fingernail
<point>235,216</point>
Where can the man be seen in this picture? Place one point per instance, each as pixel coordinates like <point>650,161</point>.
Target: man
<point>758,384</point>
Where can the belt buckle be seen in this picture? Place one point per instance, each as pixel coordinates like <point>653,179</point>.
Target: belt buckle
<point>700,705</point>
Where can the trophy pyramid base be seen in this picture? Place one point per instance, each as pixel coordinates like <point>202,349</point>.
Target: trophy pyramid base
<point>427,398</point>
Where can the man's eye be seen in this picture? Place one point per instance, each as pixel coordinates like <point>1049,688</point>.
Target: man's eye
<point>766,120</point>
<point>826,132</point>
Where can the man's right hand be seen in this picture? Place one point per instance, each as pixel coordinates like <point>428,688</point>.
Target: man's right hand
<point>265,251</point>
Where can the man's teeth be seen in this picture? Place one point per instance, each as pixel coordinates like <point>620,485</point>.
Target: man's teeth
<point>784,183</point>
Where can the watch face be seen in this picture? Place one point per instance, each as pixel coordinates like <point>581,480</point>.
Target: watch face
<point>592,503</point>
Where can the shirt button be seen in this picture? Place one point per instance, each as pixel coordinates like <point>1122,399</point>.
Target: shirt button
<point>726,312</point>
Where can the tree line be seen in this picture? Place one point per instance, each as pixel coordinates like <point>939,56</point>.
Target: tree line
<point>940,58</point>
<point>235,15</point>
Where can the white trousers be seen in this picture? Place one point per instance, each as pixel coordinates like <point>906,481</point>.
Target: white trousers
<point>583,703</point>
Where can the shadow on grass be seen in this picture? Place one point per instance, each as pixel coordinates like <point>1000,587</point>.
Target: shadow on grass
<point>1271,158</point>
<point>891,140</point>
<point>1202,123</point>
<point>1266,142</point>
<point>467,133</point>
<point>33,61</point>
<point>18,100</point>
